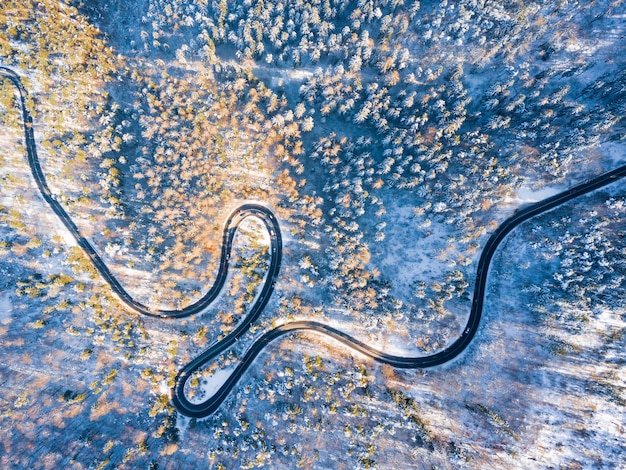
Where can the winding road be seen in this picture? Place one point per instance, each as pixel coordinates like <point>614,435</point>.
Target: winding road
<point>210,405</point>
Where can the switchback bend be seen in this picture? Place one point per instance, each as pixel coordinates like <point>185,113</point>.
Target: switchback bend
<point>230,229</point>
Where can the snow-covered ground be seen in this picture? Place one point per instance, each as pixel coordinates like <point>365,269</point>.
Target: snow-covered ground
<point>211,384</point>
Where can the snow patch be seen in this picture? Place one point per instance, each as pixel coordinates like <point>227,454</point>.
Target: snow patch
<point>210,385</point>
<point>6,307</point>
<point>526,194</point>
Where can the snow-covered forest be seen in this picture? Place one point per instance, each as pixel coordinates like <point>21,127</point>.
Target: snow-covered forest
<point>390,138</point>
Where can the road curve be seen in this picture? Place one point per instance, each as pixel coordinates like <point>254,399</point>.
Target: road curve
<point>209,406</point>
<point>230,229</point>
<point>441,357</point>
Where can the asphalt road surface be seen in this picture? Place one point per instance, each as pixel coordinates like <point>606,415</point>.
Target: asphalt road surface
<point>212,403</point>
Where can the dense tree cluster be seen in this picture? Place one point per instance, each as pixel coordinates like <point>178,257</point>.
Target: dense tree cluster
<point>588,272</point>
<point>408,78</point>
